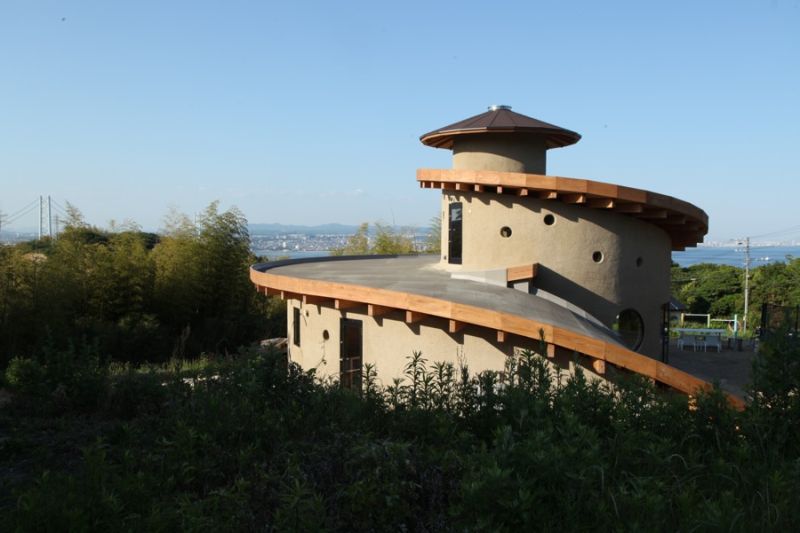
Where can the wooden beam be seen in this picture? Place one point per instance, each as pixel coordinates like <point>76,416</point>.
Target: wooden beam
<point>343,305</point>
<point>522,272</point>
<point>599,366</point>
<point>286,295</point>
<point>551,351</point>
<point>574,198</point>
<point>377,310</point>
<point>477,187</point>
<point>461,186</point>
<point>628,208</point>
<point>654,214</point>
<point>309,299</point>
<point>548,195</point>
<point>454,326</point>
<point>600,203</point>
<point>522,192</point>
<point>501,336</point>
<point>412,317</point>
<point>269,291</point>
<point>499,189</point>
<point>678,220</point>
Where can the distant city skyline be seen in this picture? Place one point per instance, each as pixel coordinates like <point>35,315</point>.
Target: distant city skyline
<point>310,112</point>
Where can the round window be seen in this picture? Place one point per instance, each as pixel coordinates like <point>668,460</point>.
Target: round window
<point>505,231</point>
<point>597,257</point>
<point>549,220</point>
<point>630,327</point>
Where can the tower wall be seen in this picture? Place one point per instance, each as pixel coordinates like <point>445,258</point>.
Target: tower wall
<point>500,152</point>
<point>632,269</point>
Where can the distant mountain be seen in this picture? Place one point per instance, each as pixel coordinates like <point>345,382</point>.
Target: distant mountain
<point>272,229</point>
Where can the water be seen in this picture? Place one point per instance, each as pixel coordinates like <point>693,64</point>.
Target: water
<point>274,255</point>
<point>759,255</point>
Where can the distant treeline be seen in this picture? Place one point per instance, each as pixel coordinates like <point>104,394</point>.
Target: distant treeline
<point>134,296</point>
<point>719,289</point>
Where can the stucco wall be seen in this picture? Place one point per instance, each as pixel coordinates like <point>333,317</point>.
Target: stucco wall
<point>388,342</point>
<point>634,271</point>
<point>500,152</point>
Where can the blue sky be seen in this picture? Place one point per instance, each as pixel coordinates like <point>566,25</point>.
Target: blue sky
<point>310,112</point>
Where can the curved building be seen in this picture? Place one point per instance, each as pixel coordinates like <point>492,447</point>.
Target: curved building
<point>577,270</point>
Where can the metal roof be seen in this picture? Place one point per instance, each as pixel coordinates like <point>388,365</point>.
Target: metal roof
<point>500,119</point>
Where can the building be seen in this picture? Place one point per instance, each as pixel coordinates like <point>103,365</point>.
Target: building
<point>575,269</point>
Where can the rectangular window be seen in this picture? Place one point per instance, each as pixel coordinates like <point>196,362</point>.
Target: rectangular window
<point>454,234</point>
<point>296,326</point>
<point>350,353</point>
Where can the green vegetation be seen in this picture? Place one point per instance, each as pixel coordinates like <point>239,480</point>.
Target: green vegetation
<point>132,296</point>
<point>719,289</point>
<point>248,442</point>
<point>125,405</point>
<point>385,242</point>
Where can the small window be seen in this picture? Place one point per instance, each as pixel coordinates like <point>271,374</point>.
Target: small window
<point>630,326</point>
<point>325,335</point>
<point>505,232</point>
<point>597,257</point>
<point>549,220</point>
<point>296,326</point>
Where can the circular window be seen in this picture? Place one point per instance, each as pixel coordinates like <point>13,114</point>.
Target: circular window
<point>549,220</point>
<point>639,261</point>
<point>597,257</point>
<point>505,231</point>
<point>325,335</point>
<point>630,327</point>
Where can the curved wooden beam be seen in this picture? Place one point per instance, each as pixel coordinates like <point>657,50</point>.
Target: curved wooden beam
<point>685,223</point>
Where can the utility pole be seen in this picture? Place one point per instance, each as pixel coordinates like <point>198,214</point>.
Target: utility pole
<point>49,217</point>
<point>746,282</point>
<point>41,214</point>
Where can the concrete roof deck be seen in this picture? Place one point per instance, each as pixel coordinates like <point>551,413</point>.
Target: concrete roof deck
<point>412,284</point>
<point>416,275</point>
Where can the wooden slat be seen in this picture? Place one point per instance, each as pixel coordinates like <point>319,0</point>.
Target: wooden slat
<point>551,351</point>
<point>600,203</point>
<point>454,326</point>
<point>522,272</point>
<point>501,336</point>
<point>573,198</point>
<point>412,317</point>
<point>548,195</point>
<point>343,305</point>
<point>477,187</point>
<point>309,299</point>
<point>522,192</point>
<point>653,214</point>
<point>377,310</point>
<point>628,208</point>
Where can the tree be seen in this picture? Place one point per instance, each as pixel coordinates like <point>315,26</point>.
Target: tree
<point>385,242</point>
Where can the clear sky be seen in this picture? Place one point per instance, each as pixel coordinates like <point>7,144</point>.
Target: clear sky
<point>310,112</point>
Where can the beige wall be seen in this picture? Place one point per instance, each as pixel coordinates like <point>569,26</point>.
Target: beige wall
<point>499,152</point>
<point>389,341</point>
<point>634,271</point>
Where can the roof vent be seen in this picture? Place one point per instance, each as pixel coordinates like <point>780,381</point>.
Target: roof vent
<point>499,107</point>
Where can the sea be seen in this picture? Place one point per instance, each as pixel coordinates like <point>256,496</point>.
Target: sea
<point>720,255</point>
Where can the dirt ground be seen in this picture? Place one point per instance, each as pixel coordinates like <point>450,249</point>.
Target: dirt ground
<point>730,368</point>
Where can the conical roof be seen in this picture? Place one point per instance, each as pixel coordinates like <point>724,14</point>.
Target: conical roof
<point>500,119</point>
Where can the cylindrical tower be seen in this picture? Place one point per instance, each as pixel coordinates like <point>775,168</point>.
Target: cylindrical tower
<point>599,247</point>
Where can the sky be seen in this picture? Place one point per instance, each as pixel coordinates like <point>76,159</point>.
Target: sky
<point>310,112</point>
